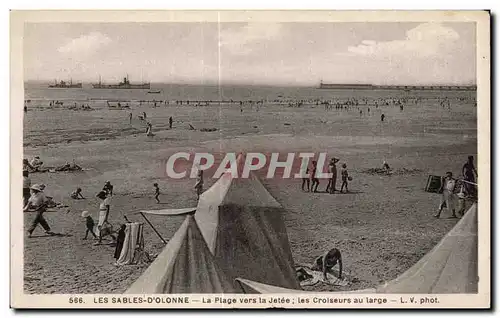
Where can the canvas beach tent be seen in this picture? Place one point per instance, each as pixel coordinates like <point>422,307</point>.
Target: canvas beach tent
<point>184,266</point>
<point>450,267</point>
<point>242,230</point>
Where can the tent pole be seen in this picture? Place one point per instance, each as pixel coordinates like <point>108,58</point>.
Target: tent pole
<point>153,227</point>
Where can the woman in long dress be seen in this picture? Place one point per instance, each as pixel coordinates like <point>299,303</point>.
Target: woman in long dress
<point>103,214</point>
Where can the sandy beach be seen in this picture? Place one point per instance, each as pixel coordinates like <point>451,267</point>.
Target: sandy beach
<point>383,226</point>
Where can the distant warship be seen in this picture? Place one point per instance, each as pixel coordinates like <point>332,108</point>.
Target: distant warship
<point>63,84</point>
<point>125,84</point>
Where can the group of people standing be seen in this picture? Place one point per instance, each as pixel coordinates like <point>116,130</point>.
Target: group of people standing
<point>467,188</point>
<point>311,183</point>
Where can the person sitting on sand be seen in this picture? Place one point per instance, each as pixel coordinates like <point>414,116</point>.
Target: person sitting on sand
<point>36,162</point>
<point>38,202</point>
<point>27,166</point>
<point>77,194</point>
<point>157,192</point>
<point>345,176</point>
<point>385,167</point>
<point>326,262</point>
<point>448,184</point>
<point>314,179</point>
<point>108,188</point>
<point>89,223</point>
<point>382,117</point>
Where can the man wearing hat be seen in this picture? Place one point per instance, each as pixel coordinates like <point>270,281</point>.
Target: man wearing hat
<point>38,202</point>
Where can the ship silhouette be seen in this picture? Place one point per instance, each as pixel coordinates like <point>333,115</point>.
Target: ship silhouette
<point>125,84</point>
<point>63,84</point>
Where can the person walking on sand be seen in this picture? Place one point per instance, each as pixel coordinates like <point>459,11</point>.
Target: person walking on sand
<point>89,223</point>
<point>26,187</point>
<point>38,201</point>
<point>345,176</point>
<point>170,122</point>
<point>382,117</point>
<point>130,118</point>
<point>448,200</point>
<point>314,178</point>
<point>157,192</point>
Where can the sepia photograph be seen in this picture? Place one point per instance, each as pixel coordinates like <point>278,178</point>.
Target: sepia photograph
<point>239,159</point>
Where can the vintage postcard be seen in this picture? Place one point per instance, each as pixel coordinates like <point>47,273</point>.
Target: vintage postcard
<point>250,159</point>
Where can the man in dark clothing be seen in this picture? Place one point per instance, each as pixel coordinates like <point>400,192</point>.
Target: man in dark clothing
<point>314,178</point>
<point>26,187</point>
<point>170,122</point>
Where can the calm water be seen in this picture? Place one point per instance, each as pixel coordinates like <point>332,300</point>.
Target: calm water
<point>40,95</point>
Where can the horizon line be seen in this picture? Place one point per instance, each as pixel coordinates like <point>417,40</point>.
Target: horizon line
<point>263,84</point>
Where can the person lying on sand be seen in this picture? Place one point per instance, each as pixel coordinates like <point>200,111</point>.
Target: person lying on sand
<point>326,262</point>
<point>77,194</point>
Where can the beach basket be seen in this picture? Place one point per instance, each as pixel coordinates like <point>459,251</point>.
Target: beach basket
<point>433,184</point>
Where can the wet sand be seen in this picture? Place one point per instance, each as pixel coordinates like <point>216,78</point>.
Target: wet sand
<point>382,227</point>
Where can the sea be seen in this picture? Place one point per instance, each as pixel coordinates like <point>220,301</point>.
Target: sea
<point>39,95</point>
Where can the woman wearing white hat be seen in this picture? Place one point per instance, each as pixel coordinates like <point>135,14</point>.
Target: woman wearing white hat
<point>38,202</point>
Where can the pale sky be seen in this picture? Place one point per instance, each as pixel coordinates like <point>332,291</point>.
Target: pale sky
<point>256,53</point>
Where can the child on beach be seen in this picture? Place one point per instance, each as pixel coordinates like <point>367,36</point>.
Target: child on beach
<point>345,177</point>
<point>89,222</point>
<point>157,192</point>
<point>77,194</point>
